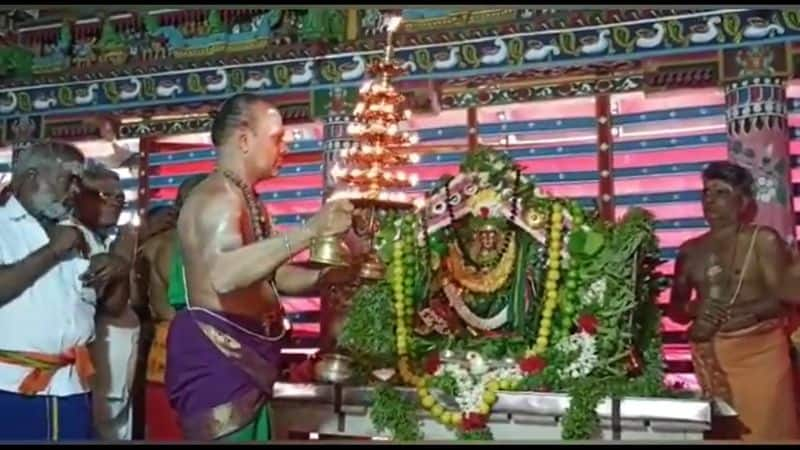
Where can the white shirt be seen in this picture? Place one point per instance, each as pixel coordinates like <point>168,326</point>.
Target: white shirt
<point>52,316</point>
<point>115,348</point>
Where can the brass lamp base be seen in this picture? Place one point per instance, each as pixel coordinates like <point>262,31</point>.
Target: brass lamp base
<point>373,268</point>
<point>330,251</point>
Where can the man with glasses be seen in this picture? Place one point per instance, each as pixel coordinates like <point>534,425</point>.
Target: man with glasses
<point>46,318</point>
<point>99,203</point>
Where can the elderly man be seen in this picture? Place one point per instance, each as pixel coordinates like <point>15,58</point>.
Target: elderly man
<point>98,206</point>
<point>739,345</point>
<point>160,267</point>
<point>46,316</point>
<point>223,351</point>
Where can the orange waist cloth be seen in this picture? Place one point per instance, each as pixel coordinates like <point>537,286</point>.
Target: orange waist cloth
<point>157,357</point>
<point>45,366</point>
<point>752,373</point>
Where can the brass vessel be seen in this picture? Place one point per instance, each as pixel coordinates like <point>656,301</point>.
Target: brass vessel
<point>333,368</point>
<point>372,268</point>
<point>330,251</point>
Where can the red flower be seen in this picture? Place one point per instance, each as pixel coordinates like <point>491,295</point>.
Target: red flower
<point>532,365</point>
<point>588,323</point>
<point>474,421</point>
<point>432,362</point>
<point>485,212</point>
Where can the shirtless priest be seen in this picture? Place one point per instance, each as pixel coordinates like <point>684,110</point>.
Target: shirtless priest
<point>223,351</point>
<point>739,347</point>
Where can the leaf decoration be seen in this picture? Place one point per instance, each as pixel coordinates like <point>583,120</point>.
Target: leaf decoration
<point>516,50</point>
<point>622,37</point>
<point>65,96</point>
<point>791,18</point>
<point>675,33</point>
<point>568,43</point>
<point>24,100</point>
<point>732,26</point>
<point>469,54</point>
<point>423,59</point>
<point>237,79</point>
<point>194,84</point>
<point>281,74</point>
<point>111,92</point>
<point>585,243</point>
<point>149,88</point>
<point>330,72</point>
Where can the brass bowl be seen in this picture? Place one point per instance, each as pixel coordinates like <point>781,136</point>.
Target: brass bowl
<point>333,368</point>
<point>373,268</point>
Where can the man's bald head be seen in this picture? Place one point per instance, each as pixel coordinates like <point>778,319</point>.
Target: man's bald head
<point>236,112</point>
<point>248,134</point>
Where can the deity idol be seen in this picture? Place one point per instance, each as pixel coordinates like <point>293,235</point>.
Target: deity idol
<point>483,227</point>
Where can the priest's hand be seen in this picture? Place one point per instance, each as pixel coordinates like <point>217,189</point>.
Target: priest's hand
<point>334,218</point>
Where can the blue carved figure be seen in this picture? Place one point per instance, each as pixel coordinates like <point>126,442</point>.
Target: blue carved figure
<point>261,27</point>
<point>54,56</point>
<point>173,36</point>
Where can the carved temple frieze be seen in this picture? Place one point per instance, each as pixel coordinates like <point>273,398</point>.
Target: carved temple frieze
<point>72,48</point>
<point>656,52</point>
<point>136,45</point>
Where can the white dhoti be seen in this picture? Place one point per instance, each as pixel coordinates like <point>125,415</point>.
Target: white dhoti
<point>114,352</point>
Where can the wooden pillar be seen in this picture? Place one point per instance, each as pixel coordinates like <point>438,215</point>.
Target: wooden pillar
<point>472,128</point>
<point>605,157</point>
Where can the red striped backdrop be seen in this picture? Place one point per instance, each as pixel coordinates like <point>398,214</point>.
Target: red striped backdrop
<point>661,143</point>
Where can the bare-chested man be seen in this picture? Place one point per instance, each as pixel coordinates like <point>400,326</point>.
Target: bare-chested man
<point>223,351</point>
<point>739,346</point>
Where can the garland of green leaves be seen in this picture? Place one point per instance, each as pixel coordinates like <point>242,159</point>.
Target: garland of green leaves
<point>392,412</point>
<point>593,335</point>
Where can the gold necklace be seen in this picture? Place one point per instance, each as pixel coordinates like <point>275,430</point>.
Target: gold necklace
<point>478,281</point>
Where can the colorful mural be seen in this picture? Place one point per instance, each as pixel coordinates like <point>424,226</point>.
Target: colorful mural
<point>702,32</point>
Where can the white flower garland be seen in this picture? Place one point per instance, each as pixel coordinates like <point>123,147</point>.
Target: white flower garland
<point>595,294</point>
<point>584,344</point>
<point>470,388</point>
